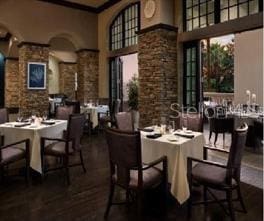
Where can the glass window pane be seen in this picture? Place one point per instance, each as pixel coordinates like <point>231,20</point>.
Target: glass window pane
<point>224,15</point>
<point>189,25</point>
<point>188,55</point>
<point>223,4</point>
<point>189,13</point>
<point>203,21</point>
<point>195,11</point>
<point>232,2</point>
<point>193,84</point>
<point>189,3</point>
<point>211,19</point>
<point>195,23</point>
<point>203,9</point>
<point>188,83</point>
<point>243,10</point>
<point>233,12</point>
<point>193,54</point>
<point>253,7</point>
<point>193,69</point>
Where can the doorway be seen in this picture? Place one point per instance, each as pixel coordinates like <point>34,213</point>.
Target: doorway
<point>122,70</point>
<point>2,80</point>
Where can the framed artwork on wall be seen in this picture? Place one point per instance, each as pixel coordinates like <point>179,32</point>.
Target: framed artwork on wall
<point>36,79</point>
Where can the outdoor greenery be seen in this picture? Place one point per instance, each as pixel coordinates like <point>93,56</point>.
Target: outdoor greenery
<point>132,90</point>
<point>218,71</point>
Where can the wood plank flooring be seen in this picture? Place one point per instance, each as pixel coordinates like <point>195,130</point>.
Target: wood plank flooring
<point>86,198</point>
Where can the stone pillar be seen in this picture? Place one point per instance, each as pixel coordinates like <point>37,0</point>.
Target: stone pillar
<point>157,57</point>
<point>67,72</point>
<point>87,69</point>
<point>11,83</point>
<point>32,101</point>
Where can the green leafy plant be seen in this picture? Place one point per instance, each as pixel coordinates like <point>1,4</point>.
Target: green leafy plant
<point>132,90</point>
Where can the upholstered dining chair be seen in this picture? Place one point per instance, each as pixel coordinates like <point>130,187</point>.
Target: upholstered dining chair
<point>66,146</point>
<point>218,176</point>
<point>75,104</point>
<point>114,109</point>
<point>127,170</point>
<point>193,121</point>
<point>124,121</point>
<point>11,153</point>
<point>4,116</point>
<point>219,123</point>
<point>63,112</point>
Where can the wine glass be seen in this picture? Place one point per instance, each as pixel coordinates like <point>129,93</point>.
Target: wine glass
<point>44,117</point>
<point>19,118</point>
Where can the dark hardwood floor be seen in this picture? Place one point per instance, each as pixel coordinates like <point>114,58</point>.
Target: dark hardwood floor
<point>86,198</point>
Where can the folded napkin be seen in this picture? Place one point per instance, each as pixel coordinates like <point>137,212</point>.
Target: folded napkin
<point>184,135</point>
<point>153,136</point>
<point>22,125</point>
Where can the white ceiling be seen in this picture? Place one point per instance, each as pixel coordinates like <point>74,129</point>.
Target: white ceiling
<point>92,3</point>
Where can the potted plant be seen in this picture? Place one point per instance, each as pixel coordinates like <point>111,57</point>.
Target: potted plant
<point>132,90</point>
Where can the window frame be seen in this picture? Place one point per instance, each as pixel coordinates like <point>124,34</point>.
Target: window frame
<point>217,12</point>
<point>124,37</point>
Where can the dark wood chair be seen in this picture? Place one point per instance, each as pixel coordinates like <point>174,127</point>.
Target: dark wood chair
<point>219,123</point>
<point>124,121</point>
<point>66,146</point>
<point>213,175</point>
<point>4,116</point>
<point>110,118</point>
<point>193,121</point>
<point>11,153</point>
<point>63,112</point>
<point>75,104</point>
<point>127,170</point>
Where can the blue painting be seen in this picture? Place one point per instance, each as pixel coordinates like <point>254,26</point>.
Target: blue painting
<point>36,75</point>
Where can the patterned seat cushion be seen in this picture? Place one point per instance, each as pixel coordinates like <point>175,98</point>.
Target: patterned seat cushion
<point>210,175</point>
<point>57,149</point>
<point>11,154</point>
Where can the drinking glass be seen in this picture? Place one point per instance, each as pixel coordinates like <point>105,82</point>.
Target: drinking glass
<point>19,118</point>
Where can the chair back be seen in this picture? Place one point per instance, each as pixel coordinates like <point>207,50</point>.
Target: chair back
<point>75,129</point>
<point>236,151</point>
<point>63,112</point>
<point>75,104</point>
<point>124,154</point>
<point>124,121</point>
<point>193,121</point>
<point>3,115</point>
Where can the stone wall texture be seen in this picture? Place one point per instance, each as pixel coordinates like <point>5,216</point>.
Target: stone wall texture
<point>11,83</point>
<point>67,79</point>
<point>87,69</point>
<point>157,57</point>
<point>32,101</point>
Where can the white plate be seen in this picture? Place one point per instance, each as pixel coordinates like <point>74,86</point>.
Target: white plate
<point>188,131</point>
<point>172,139</point>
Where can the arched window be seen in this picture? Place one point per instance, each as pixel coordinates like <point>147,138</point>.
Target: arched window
<point>124,27</point>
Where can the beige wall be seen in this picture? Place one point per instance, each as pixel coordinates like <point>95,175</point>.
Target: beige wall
<point>36,21</point>
<point>53,75</point>
<point>249,65</point>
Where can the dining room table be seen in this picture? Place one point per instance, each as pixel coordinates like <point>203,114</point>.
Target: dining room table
<point>16,131</point>
<point>94,111</point>
<point>177,146</point>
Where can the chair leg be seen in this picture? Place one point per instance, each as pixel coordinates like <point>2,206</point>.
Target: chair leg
<point>82,162</point>
<point>230,205</point>
<point>110,199</point>
<point>241,199</point>
<point>223,140</point>
<point>216,135</point>
<point>210,135</point>
<point>66,166</point>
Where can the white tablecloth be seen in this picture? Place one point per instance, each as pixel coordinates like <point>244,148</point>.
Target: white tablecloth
<point>34,133</point>
<point>240,118</point>
<point>177,153</point>
<point>93,111</point>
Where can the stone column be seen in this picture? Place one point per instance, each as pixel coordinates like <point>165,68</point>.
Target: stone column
<point>67,72</point>
<point>32,101</point>
<point>87,69</point>
<point>11,83</point>
<point>157,57</point>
